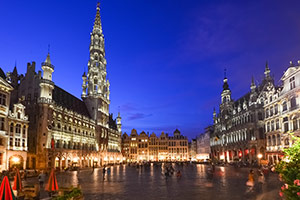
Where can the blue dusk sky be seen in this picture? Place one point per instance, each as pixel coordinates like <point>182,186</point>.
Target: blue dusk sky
<point>165,58</point>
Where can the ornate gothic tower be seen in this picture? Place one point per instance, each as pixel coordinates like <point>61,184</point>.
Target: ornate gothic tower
<point>46,84</point>
<point>227,103</point>
<point>119,124</point>
<point>95,87</point>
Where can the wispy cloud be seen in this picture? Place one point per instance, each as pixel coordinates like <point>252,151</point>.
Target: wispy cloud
<point>136,116</point>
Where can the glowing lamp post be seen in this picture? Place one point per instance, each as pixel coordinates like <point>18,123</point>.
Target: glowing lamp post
<point>259,156</point>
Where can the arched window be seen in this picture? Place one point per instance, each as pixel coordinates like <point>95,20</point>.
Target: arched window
<point>267,112</point>
<point>18,130</point>
<point>286,141</point>
<point>269,141</point>
<point>271,111</point>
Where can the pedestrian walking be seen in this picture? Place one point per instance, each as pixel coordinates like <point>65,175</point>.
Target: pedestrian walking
<point>93,168</point>
<point>260,180</point>
<point>41,178</point>
<point>250,182</point>
<point>103,172</point>
<point>178,174</point>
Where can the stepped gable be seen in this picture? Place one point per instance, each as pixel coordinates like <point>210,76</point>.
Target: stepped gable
<point>67,100</point>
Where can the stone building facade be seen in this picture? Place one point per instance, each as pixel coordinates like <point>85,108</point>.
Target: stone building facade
<point>282,113</point>
<point>13,129</point>
<point>203,144</point>
<point>239,125</point>
<point>138,148</point>
<point>64,130</point>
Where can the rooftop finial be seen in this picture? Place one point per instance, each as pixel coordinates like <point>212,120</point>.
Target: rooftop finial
<point>48,48</point>
<point>225,73</point>
<point>97,23</point>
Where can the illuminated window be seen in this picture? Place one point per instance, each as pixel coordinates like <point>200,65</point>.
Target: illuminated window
<point>17,142</point>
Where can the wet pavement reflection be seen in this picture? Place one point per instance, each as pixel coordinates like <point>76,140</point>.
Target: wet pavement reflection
<point>148,182</point>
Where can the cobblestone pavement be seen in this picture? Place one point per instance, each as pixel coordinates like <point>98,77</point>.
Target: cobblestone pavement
<point>144,183</point>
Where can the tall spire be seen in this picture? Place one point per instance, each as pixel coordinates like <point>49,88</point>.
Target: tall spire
<point>267,70</point>
<point>253,86</point>
<point>97,24</point>
<point>225,83</point>
<point>95,85</point>
<point>48,61</point>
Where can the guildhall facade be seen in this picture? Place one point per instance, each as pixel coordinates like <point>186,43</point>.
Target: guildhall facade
<point>145,147</point>
<point>239,126</point>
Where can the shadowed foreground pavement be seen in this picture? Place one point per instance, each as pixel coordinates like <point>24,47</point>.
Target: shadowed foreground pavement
<point>145,183</point>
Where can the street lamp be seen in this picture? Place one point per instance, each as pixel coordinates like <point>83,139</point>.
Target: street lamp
<point>259,156</point>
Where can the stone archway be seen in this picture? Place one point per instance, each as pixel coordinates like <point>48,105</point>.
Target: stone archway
<point>15,161</point>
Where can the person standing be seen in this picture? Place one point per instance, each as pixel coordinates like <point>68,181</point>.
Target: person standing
<point>250,182</point>
<point>103,172</point>
<point>260,180</point>
<point>41,178</point>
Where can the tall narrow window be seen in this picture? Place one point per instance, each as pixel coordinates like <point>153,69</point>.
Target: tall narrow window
<point>2,120</point>
<point>286,124</point>
<point>3,99</point>
<point>24,132</point>
<point>278,140</point>
<point>276,109</point>
<point>273,140</point>
<point>18,130</point>
<point>267,112</point>
<point>284,106</point>
<point>293,103</point>
<point>271,111</point>
<point>292,83</point>
<point>295,124</point>
<point>272,125</point>
<point>11,129</point>
<point>11,141</point>
<point>277,124</point>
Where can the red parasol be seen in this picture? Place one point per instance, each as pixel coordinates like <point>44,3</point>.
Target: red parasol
<point>17,181</point>
<point>52,182</point>
<point>6,192</point>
